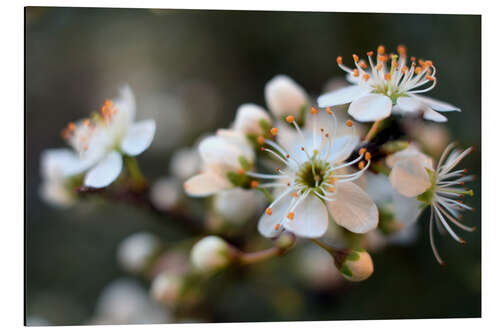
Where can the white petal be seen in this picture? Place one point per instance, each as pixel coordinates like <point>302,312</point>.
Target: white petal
<point>409,104</point>
<point>267,223</point>
<point>435,104</point>
<point>248,118</point>
<point>139,137</point>
<point>411,151</point>
<point>342,148</point>
<point>430,114</point>
<point>406,209</point>
<point>61,163</point>
<point>409,177</point>
<point>125,103</point>
<point>371,107</point>
<point>205,184</point>
<point>310,219</point>
<point>105,172</point>
<point>354,209</point>
<point>342,96</point>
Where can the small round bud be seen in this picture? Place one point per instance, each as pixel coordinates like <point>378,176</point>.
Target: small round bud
<point>285,97</point>
<point>136,251</point>
<point>167,288</point>
<point>210,254</point>
<point>357,266</point>
<point>250,119</point>
<point>166,193</point>
<point>185,163</point>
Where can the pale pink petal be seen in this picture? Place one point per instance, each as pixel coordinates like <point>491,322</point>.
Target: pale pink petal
<point>409,177</point>
<point>353,209</point>
<point>205,184</point>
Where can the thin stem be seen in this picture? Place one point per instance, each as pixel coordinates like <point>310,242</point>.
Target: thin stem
<point>285,242</point>
<point>373,130</point>
<point>139,182</point>
<point>324,246</point>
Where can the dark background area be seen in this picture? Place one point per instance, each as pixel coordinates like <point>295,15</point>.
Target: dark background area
<point>190,70</point>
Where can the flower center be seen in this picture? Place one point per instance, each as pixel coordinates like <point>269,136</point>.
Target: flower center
<point>313,174</point>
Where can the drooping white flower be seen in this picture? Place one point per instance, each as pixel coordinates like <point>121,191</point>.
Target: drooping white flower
<point>251,119</point>
<point>221,154</point>
<point>388,85</point>
<point>285,97</point>
<point>101,140</point>
<point>441,189</point>
<point>315,181</point>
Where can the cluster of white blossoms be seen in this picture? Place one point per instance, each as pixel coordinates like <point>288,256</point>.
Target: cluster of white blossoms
<point>296,168</point>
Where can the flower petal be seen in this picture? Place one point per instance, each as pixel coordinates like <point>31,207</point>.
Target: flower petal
<point>105,172</point>
<point>342,96</point>
<point>61,163</point>
<point>125,102</point>
<point>205,184</point>
<point>409,177</point>
<point>409,104</point>
<point>354,209</point>
<point>139,137</point>
<point>310,218</point>
<point>267,223</point>
<point>436,104</point>
<point>406,210</point>
<point>371,107</point>
<point>430,114</point>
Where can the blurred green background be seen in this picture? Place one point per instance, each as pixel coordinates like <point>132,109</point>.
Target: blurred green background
<point>190,69</point>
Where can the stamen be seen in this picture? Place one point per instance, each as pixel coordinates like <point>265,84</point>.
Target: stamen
<point>274,131</point>
<point>254,184</point>
<point>269,211</point>
<point>355,57</point>
<point>339,60</point>
<point>290,215</point>
<point>277,226</point>
<point>348,123</point>
<point>290,119</point>
<point>313,110</point>
<point>261,140</point>
<point>381,49</point>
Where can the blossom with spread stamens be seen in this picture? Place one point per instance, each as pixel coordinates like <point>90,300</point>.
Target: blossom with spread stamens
<point>388,84</point>
<point>224,157</point>
<point>101,140</point>
<point>316,180</point>
<point>441,188</point>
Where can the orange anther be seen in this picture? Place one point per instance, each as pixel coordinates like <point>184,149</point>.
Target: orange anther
<point>362,151</point>
<point>355,57</point>
<point>254,184</point>
<point>361,164</point>
<point>368,156</point>
<point>355,73</point>
<point>378,67</point>
<point>329,110</point>
<point>295,194</point>
<point>348,123</point>
<point>421,62</point>
<point>331,189</point>
<point>269,211</point>
<point>313,110</point>
<point>290,119</point>
<point>339,60</point>
<point>363,64</point>
<point>290,216</point>
<point>260,140</point>
<point>401,50</point>
<point>428,63</point>
<point>86,122</point>
<point>274,131</point>
<point>418,69</point>
<point>387,76</point>
<point>276,227</point>
<point>404,69</point>
<point>369,53</point>
<point>381,49</point>
<point>366,77</point>
<point>430,78</point>
<point>241,171</point>
<point>412,59</point>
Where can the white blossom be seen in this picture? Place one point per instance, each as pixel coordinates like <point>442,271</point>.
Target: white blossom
<point>388,85</point>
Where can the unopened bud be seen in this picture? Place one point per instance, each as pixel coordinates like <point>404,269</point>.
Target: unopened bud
<point>136,251</point>
<point>167,288</point>
<point>285,97</point>
<point>355,265</point>
<point>251,118</point>
<point>211,253</point>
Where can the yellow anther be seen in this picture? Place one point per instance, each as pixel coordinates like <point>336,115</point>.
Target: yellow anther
<point>274,131</point>
<point>313,110</point>
<point>290,215</point>
<point>290,119</point>
<point>254,184</point>
<point>339,60</point>
<point>348,123</point>
<point>269,211</point>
